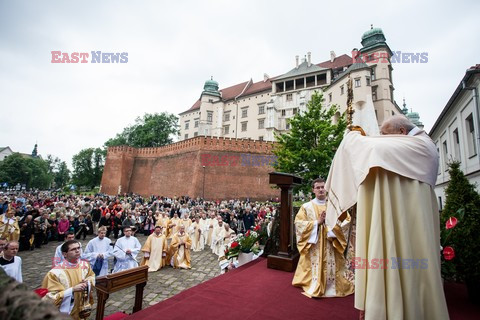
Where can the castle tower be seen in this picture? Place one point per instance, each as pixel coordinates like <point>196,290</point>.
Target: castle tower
<point>210,102</point>
<point>376,53</point>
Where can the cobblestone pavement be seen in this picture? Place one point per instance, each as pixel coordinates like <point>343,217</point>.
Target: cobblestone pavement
<point>161,284</point>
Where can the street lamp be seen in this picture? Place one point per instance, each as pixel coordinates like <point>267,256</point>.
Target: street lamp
<point>203,188</point>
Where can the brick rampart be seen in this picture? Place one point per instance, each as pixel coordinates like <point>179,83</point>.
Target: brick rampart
<point>216,168</point>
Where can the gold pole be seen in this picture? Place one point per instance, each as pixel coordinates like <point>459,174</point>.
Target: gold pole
<point>350,110</point>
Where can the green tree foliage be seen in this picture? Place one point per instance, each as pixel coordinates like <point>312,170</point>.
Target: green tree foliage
<point>465,239</point>
<point>59,170</point>
<point>31,172</point>
<point>153,130</point>
<point>88,167</point>
<point>308,149</point>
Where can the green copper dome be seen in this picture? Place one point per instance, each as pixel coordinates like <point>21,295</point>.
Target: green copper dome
<point>372,37</point>
<point>211,88</point>
<point>414,117</point>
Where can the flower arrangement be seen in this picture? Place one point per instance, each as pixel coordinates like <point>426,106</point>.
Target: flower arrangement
<point>244,243</point>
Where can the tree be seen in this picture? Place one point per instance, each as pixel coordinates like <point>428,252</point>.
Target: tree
<point>153,130</point>
<point>62,175</point>
<point>308,149</point>
<point>461,194</point>
<point>24,170</point>
<point>88,167</point>
<point>59,170</point>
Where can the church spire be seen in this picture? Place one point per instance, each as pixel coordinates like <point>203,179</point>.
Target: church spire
<point>35,151</point>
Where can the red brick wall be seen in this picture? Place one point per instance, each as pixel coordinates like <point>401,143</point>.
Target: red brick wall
<point>177,169</point>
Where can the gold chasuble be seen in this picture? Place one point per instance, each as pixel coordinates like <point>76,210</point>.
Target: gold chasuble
<point>180,251</point>
<point>322,270</point>
<point>9,228</point>
<point>59,282</point>
<point>153,249</point>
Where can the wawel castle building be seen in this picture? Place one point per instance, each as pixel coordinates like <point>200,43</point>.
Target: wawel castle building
<point>256,110</point>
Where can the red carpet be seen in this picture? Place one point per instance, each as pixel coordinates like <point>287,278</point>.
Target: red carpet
<point>255,292</point>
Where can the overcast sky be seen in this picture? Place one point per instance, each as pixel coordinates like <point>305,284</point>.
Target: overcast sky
<point>174,46</point>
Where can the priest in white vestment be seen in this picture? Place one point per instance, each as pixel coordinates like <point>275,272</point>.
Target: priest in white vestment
<point>391,179</point>
<point>218,237</point>
<point>99,248</point>
<point>155,250</point>
<point>125,251</point>
<point>10,262</point>
<point>197,234</point>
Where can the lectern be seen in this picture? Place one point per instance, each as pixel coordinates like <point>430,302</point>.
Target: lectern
<point>287,257</point>
<point>117,281</point>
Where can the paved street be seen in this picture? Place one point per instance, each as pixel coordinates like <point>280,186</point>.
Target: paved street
<point>161,285</point>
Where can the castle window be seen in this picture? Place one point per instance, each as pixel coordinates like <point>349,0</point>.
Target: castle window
<point>187,125</point>
<point>261,109</point>
<point>284,113</point>
<point>472,147</point>
<point>372,75</point>
<point>195,134</point>
<point>261,123</point>
<point>186,136</point>
<point>456,145</point>
<point>226,116</point>
<point>374,93</point>
<point>289,97</point>
<point>357,82</point>
<point>209,116</point>
<point>367,79</point>
<point>196,123</point>
<point>342,90</point>
<point>295,111</point>
<point>244,112</point>
<point>226,129</point>
<point>260,138</point>
<point>244,126</point>
<point>329,97</point>
<point>445,155</point>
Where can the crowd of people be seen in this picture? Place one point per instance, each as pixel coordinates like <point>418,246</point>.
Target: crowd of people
<point>33,219</point>
<point>170,228</point>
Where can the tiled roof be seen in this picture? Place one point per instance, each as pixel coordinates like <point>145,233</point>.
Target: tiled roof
<point>258,87</point>
<point>233,91</point>
<point>339,62</point>
<point>230,93</point>
<point>302,69</point>
<point>353,67</point>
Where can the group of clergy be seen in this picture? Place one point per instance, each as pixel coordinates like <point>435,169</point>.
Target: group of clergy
<point>173,239</point>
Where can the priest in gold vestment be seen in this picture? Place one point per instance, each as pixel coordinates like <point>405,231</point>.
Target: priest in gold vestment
<point>391,179</point>
<point>69,282</point>
<point>322,269</point>
<point>180,250</point>
<point>155,250</point>
<point>9,228</point>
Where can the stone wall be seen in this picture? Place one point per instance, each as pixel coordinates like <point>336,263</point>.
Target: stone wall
<point>216,168</point>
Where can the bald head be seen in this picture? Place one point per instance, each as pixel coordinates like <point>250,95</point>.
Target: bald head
<point>397,124</point>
